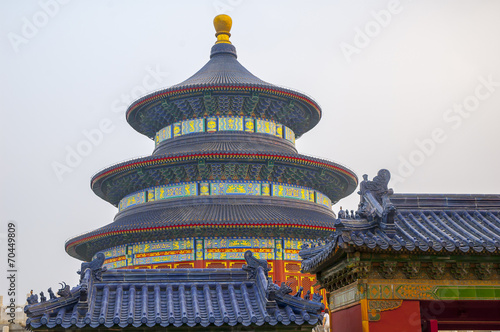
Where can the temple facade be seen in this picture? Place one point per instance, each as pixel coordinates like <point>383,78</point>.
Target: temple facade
<point>411,262</point>
<point>224,177</point>
<point>227,227</point>
<point>224,191</point>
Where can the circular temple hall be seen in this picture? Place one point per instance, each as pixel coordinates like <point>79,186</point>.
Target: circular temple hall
<point>226,227</point>
<point>224,177</point>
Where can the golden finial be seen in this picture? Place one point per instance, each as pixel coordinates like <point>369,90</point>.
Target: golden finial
<point>222,24</point>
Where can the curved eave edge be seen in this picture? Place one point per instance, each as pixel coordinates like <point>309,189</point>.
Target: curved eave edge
<point>149,161</point>
<point>335,254</point>
<point>36,325</point>
<point>71,245</point>
<point>456,250</point>
<point>171,92</point>
<point>309,266</point>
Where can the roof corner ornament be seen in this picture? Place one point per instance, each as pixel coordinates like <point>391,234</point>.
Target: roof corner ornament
<point>89,272</point>
<point>253,264</point>
<point>283,294</point>
<point>64,291</point>
<point>317,297</point>
<point>51,293</point>
<point>285,288</point>
<point>32,299</point>
<point>375,202</point>
<point>344,214</point>
<point>95,268</point>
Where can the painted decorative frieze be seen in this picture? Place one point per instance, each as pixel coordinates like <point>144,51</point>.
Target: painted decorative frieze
<point>193,126</point>
<point>228,188</point>
<point>131,200</point>
<point>226,123</point>
<point>217,188</point>
<point>411,269</point>
<point>230,124</point>
<point>436,270</point>
<point>164,192</point>
<point>388,269</point>
<point>152,253</point>
<point>375,307</point>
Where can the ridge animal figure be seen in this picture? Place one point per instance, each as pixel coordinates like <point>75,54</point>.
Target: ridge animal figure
<point>64,291</point>
<point>51,293</point>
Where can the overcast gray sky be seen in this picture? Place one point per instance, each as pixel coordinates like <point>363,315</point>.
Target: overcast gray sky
<point>411,86</point>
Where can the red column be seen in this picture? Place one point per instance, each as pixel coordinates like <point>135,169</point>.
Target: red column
<point>347,320</point>
<point>433,325</point>
<point>279,271</point>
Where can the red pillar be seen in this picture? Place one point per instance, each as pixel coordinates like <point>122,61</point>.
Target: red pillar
<point>279,271</point>
<point>433,325</point>
<point>347,320</point>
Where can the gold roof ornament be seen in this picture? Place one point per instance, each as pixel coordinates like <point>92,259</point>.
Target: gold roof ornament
<point>222,24</point>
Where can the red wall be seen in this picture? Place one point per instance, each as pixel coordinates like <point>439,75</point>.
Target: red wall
<point>347,320</point>
<point>403,319</point>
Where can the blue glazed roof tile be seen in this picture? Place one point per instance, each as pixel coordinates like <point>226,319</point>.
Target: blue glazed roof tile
<point>181,297</point>
<point>225,74</point>
<point>428,223</point>
<point>223,68</point>
<point>215,210</point>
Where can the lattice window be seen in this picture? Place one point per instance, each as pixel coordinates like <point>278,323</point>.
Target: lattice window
<point>293,282</point>
<point>184,266</point>
<point>292,267</point>
<point>307,284</point>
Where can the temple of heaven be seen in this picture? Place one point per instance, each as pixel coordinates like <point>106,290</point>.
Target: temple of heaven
<point>224,177</point>
<point>209,228</point>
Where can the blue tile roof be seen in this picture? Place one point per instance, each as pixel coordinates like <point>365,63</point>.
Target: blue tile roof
<point>223,68</point>
<point>229,78</point>
<point>430,222</point>
<point>462,230</point>
<point>180,297</point>
<point>209,210</point>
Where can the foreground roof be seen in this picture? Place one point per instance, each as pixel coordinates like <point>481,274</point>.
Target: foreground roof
<point>180,297</point>
<point>427,223</point>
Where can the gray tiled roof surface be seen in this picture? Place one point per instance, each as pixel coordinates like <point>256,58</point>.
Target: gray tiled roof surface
<point>180,297</point>
<point>439,223</point>
<point>225,74</point>
<point>223,68</point>
<point>212,211</point>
